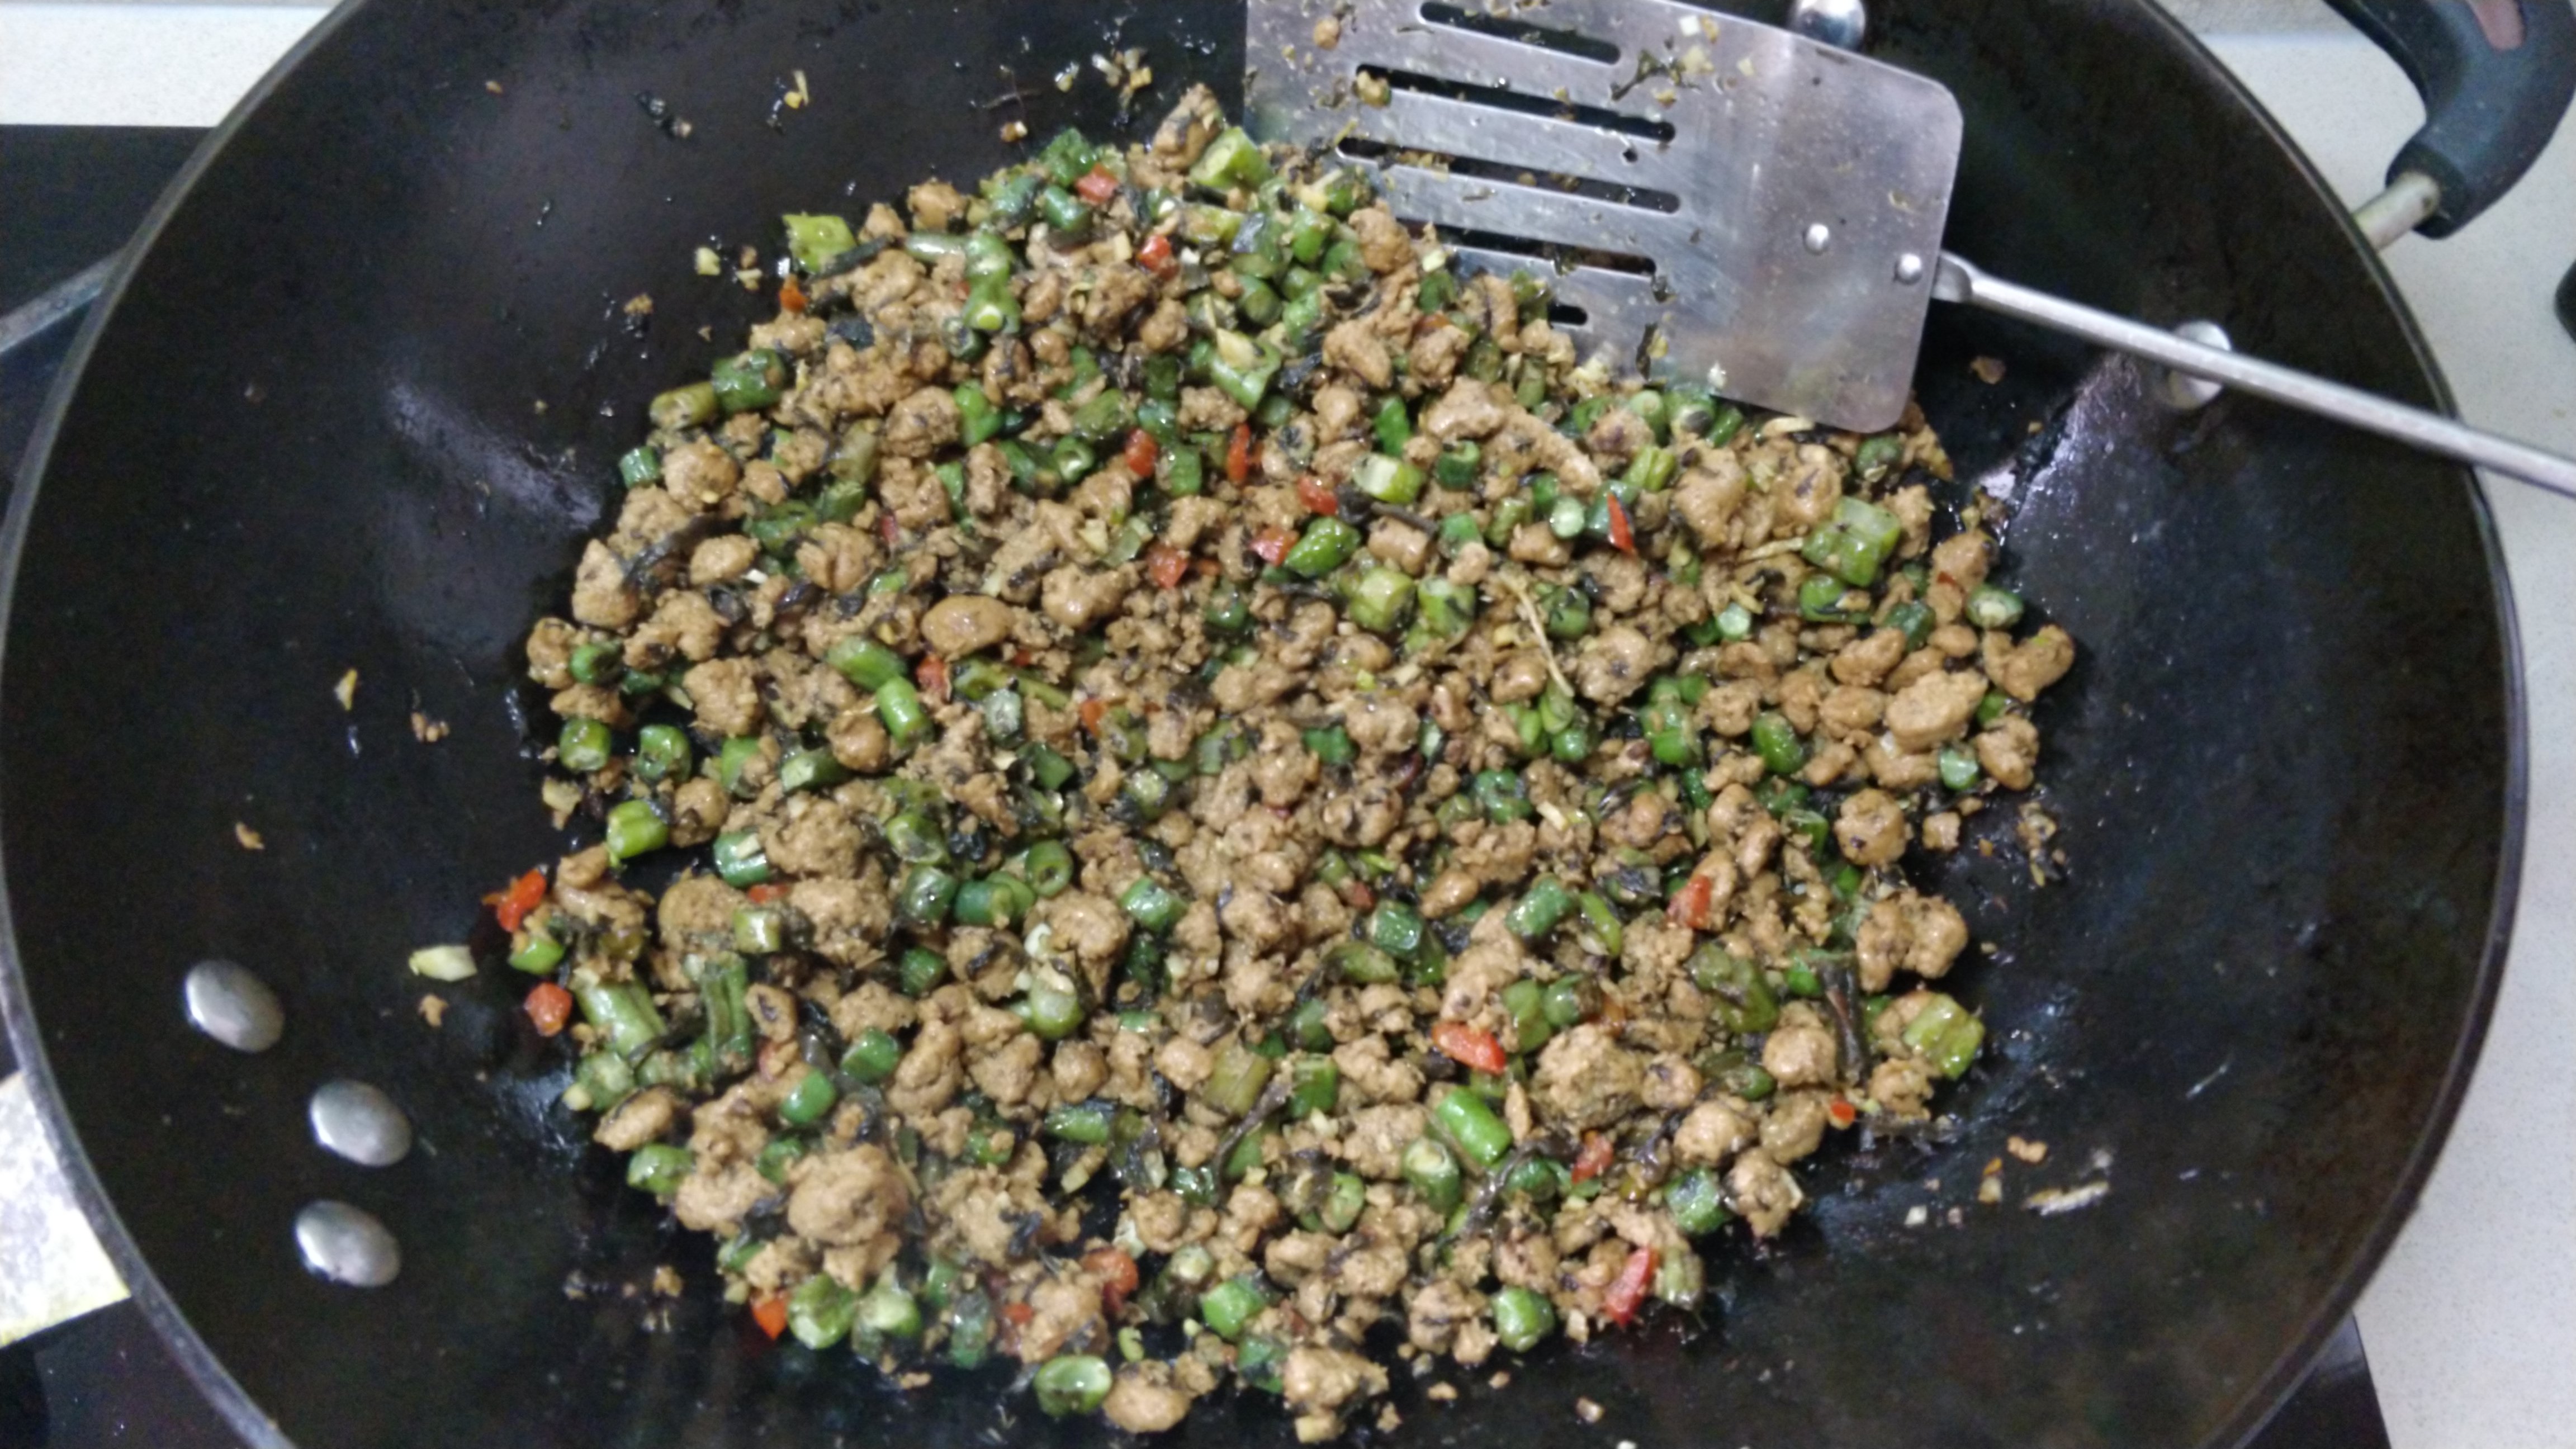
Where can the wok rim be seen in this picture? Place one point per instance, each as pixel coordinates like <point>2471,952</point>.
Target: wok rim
<point>242,1413</point>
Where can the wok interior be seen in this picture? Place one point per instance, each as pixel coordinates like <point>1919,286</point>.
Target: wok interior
<point>309,440</point>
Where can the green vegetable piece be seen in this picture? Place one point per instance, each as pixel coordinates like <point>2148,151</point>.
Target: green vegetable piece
<point>889,1312</point>
<point>1151,904</point>
<point>977,418</point>
<point>1523,1318</point>
<point>810,770</point>
<point>684,407</point>
<point>759,931</point>
<point>1072,1383</point>
<point>1316,1087</point>
<point>661,753</point>
<point>1993,608</point>
<point>1697,1201</point>
<point>1050,868</point>
<point>623,1012</point>
<point>1048,768</point>
<point>1914,621</point>
<point>1328,543</point>
<point>639,466</point>
<point>1539,908</point>
<point>740,859</point>
<point>1052,1013</point>
<point>1230,1305</point>
<point>1652,469</point>
<point>1330,744</point>
<point>1524,1002</point>
<point>1086,1122</point>
<point>749,380</point>
<point>1569,1001</point>
<point>820,1311</point>
<point>1603,932</point>
<point>809,1101</point>
<point>971,1325</point>
<point>900,710</point>
<point>1820,600</point>
<point>1387,479</point>
<point>1945,1032</point>
<point>1433,1171</point>
<point>1472,1126</point>
<point>1380,600</point>
<point>635,827</point>
<point>865,662</point>
<point>659,1168</point>
<point>814,240</point>
<point>1343,1203</point>
<point>872,1057</point>
<point>1741,999</point>
<point>1569,612</point>
<point>1503,795</point>
<point>925,896</point>
<point>1777,742</point>
<point>920,970</point>
<point>1393,424</point>
<point>1459,466</point>
<point>1234,1084</point>
<point>1958,766</point>
<point>542,953</point>
<point>583,746</point>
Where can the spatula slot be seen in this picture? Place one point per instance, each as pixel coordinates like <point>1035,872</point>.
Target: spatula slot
<point>1567,42</point>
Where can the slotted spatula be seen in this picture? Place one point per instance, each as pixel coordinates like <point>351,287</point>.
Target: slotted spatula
<point>1718,200</point>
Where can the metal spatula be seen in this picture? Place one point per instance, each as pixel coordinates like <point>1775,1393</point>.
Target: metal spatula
<point>1718,199</point>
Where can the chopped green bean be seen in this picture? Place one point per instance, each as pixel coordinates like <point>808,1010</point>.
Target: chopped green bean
<point>1230,1305</point>
<point>635,827</point>
<point>925,896</point>
<point>809,1101</point>
<point>1433,1172</point>
<point>1072,1383</point>
<point>1328,543</point>
<point>1777,742</point>
<point>1316,1087</point>
<point>583,746</point>
<point>1151,904</point>
<point>1539,908</point>
<point>1993,608</point>
<point>1235,1082</point>
<point>659,1168</point>
<point>1473,1127</point>
<point>1523,1318</point>
<point>820,1311</point>
<point>872,1057</point>
<point>740,860</point>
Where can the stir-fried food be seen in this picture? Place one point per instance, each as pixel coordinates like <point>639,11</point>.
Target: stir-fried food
<point>1239,792</point>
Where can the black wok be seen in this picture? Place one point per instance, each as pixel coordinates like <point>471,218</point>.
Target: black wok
<point>357,402</point>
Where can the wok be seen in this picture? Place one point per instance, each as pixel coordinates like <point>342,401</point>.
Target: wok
<point>357,401</point>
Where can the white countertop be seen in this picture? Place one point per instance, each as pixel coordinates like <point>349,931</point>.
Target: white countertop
<point>2471,1325</point>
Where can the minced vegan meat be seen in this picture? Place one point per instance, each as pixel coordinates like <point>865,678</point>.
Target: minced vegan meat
<point>1169,691</point>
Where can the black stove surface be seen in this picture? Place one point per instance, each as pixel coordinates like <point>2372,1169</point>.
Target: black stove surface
<point>70,195</point>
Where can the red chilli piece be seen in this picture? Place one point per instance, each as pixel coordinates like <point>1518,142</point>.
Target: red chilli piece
<point>1096,186</point>
<point>1272,545</point>
<point>1238,454</point>
<point>1622,537</point>
<point>549,1006</point>
<point>1317,498</point>
<point>1093,711</point>
<point>932,675</point>
<point>1627,1292</point>
<point>770,1312</point>
<point>1843,1113</point>
<point>1468,1046</point>
<point>1156,255</point>
<point>1166,565</point>
<point>791,297</point>
<point>887,527</point>
<point>1117,1274</point>
<point>1690,905</point>
<point>1595,1157</point>
<point>766,892</point>
<point>1140,453</point>
<point>525,894</point>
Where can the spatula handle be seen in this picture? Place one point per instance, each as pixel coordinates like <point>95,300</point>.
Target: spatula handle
<point>1959,281</point>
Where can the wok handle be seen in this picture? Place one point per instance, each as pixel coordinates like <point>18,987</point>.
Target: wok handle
<point>1960,281</point>
<point>2496,76</point>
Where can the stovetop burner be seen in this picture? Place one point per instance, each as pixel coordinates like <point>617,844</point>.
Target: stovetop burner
<point>69,196</point>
